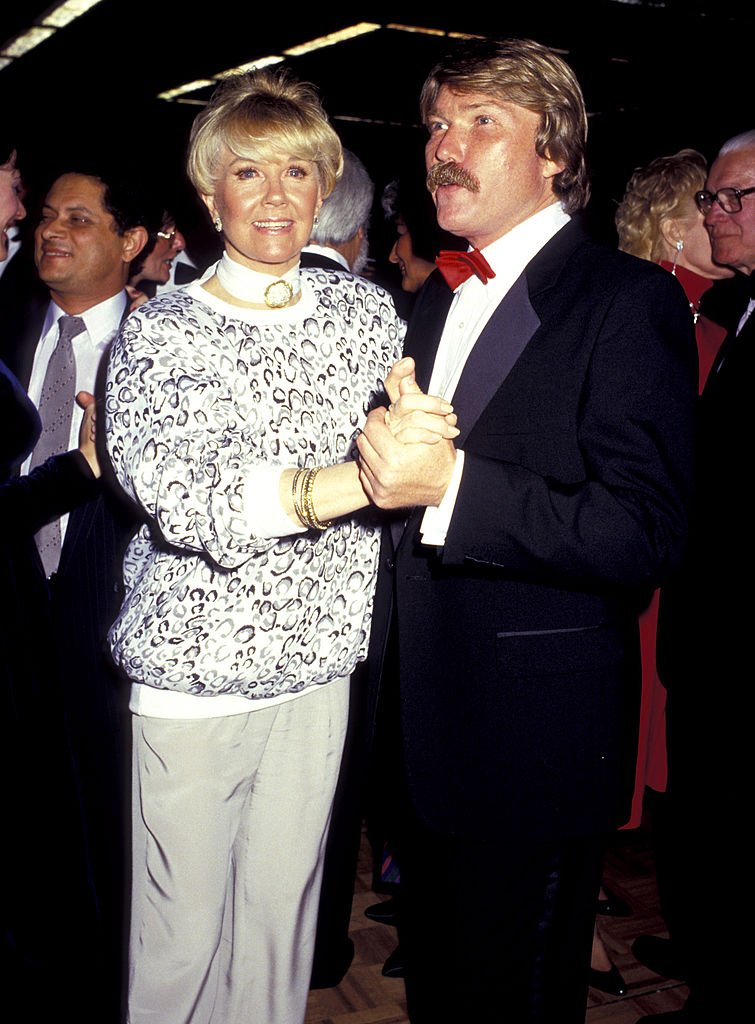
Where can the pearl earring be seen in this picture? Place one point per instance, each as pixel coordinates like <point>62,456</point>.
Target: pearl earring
<point>218,224</point>
<point>677,254</point>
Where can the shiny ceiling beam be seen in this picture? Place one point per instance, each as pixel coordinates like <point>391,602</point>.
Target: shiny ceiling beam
<point>53,20</point>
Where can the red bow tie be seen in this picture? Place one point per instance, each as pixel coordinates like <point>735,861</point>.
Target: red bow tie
<point>456,267</point>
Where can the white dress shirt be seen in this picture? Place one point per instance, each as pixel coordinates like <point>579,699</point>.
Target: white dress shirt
<point>472,306</point>
<point>325,250</point>
<point>102,323</point>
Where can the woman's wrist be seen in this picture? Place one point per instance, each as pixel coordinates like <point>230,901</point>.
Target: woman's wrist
<point>314,497</point>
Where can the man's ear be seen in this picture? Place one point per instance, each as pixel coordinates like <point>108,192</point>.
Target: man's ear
<point>551,167</point>
<point>134,240</point>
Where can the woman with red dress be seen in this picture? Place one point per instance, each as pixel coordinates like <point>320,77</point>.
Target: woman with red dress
<point>658,220</point>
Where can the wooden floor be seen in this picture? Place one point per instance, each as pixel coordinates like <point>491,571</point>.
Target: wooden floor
<point>366,997</point>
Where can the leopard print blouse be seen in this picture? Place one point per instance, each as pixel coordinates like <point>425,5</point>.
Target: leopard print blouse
<point>198,393</point>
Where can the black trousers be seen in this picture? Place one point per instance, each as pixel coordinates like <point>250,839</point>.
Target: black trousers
<point>503,923</point>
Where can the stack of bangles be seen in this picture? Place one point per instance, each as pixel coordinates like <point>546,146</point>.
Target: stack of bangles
<point>302,486</point>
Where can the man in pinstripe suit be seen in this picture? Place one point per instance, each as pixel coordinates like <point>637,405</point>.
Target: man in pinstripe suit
<point>90,230</point>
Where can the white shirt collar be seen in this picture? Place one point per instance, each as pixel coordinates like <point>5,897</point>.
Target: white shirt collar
<point>102,321</point>
<point>325,250</point>
<point>515,249</point>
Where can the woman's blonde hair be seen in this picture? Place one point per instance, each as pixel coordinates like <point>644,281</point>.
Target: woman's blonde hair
<point>259,114</point>
<point>662,190</point>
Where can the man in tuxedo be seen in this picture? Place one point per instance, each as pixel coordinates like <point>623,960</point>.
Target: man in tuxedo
<point>704,644</point>
<point>339,237</point>
<point>506,610</point>
<point>90,229</point>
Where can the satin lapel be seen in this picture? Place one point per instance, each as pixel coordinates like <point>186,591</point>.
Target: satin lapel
<point>426,326</point>
<point>502,341</point>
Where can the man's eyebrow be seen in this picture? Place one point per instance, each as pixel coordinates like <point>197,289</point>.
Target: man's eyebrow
<point>71,208</point>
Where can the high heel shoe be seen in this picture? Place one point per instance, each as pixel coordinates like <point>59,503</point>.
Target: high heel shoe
<point>609,981</point>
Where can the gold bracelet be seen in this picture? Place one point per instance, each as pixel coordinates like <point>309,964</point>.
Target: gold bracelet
<point>298,510</point>
<point>308,503</point>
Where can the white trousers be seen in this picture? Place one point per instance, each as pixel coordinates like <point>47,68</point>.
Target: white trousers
<point>230,821</point>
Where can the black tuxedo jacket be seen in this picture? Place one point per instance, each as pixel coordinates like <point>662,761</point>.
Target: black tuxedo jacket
<point>517,642</point>
<point>705,615</point>
<point>87,583</point>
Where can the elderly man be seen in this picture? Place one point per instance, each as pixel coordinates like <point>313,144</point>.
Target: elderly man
<point>704,635</point>
<point>509,595</point>
<point>90,230</point>
<point>339,238</point>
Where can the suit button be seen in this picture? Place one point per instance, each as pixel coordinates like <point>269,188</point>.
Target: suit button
<point>390,564</point>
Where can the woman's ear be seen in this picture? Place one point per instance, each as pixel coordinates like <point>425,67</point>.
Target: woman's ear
<point>672,230</point>
<point>209,201</point>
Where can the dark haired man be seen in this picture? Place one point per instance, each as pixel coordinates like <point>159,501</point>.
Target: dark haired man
<point>531,540</point>
<point>89,232</point>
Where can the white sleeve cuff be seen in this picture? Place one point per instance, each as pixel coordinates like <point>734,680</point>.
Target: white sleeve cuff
<point>437,518</point>
<point>264,513</point>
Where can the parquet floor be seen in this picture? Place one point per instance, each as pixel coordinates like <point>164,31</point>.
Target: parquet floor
<point>366,997</point>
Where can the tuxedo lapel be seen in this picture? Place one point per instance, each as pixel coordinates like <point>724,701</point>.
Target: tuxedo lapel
<point>500,344</point>
<point>426,327</point>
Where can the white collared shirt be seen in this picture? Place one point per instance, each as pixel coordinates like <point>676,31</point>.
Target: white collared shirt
<point>472,306</point>
<point>102,323</point>
<point>325,250</point>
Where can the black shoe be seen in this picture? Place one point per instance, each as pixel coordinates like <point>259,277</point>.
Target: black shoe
<point>660,956</point>
<point>394,965</point>
<point>384,912</point>
<point>609,981</point>
<point>613,905</point>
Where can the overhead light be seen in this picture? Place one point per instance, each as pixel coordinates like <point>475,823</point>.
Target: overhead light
<point>352,32</point>
<point>66,12</point>
<point>332,38</point>
<point>180,90</point>
<point>252,65</point>
<point>341,36</point>
<point>55,18</point>
<point>27,41</point>
<point>415,28</point>
<point>432,31</point>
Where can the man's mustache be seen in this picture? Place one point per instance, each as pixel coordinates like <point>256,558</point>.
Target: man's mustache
<point>451,173</point>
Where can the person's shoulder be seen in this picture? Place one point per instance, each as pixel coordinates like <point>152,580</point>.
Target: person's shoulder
<point>605,263</point>
<point>343,284</point>
<point>168,304</point>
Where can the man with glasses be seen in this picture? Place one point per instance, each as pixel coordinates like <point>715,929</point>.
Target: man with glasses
<point>704,642</point>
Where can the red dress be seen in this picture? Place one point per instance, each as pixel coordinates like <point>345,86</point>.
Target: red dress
<point>651,767</point>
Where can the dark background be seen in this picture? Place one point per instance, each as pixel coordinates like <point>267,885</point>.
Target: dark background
<point>656,77</point>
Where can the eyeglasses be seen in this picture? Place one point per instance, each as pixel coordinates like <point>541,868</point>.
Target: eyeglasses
<point>170,235</point>
<point>729,199</point>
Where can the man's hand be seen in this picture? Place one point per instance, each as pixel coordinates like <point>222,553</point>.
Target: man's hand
<point>398,475</point>
<point>414,417</point>
<point>86,401</point>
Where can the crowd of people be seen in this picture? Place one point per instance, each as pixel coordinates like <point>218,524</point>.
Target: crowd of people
<point>289,543</point>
